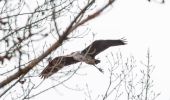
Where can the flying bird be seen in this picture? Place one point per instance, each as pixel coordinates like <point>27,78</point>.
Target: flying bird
<point>87,55</point>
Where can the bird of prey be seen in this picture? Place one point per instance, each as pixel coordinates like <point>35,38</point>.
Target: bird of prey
<point>87,55</point>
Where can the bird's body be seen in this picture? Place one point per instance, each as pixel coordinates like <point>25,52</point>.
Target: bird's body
<point>87,55</point>
<point>81,57</point>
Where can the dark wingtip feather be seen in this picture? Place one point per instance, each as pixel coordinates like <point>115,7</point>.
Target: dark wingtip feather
<point>123,40</point>
<point>43,75</point>
<point>46,72</point>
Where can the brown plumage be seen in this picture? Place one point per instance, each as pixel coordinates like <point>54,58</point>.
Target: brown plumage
<point>100,45</point>
<point>56,64</point>
<point>87,55</point>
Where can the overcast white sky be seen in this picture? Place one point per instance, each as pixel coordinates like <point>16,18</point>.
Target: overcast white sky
<point>144,25</point>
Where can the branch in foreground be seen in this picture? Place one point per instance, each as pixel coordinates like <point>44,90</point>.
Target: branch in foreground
<point>46,53</point>
<point>73,25</point>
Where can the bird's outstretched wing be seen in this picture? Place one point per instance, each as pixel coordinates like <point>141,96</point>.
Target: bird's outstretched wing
<point>100,45</point>
<point>56,64</point>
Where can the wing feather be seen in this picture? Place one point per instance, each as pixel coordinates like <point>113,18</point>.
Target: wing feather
<point>100,45</point>
<point>56,64</point>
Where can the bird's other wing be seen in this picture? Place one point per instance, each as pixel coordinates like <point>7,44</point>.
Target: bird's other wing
<point>56,64</point>
<point>100,45</point>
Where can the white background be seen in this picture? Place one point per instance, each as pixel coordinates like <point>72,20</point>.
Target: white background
<point>144,25</point>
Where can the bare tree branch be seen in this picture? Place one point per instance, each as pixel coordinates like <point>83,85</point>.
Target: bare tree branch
<point>73,25</point>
